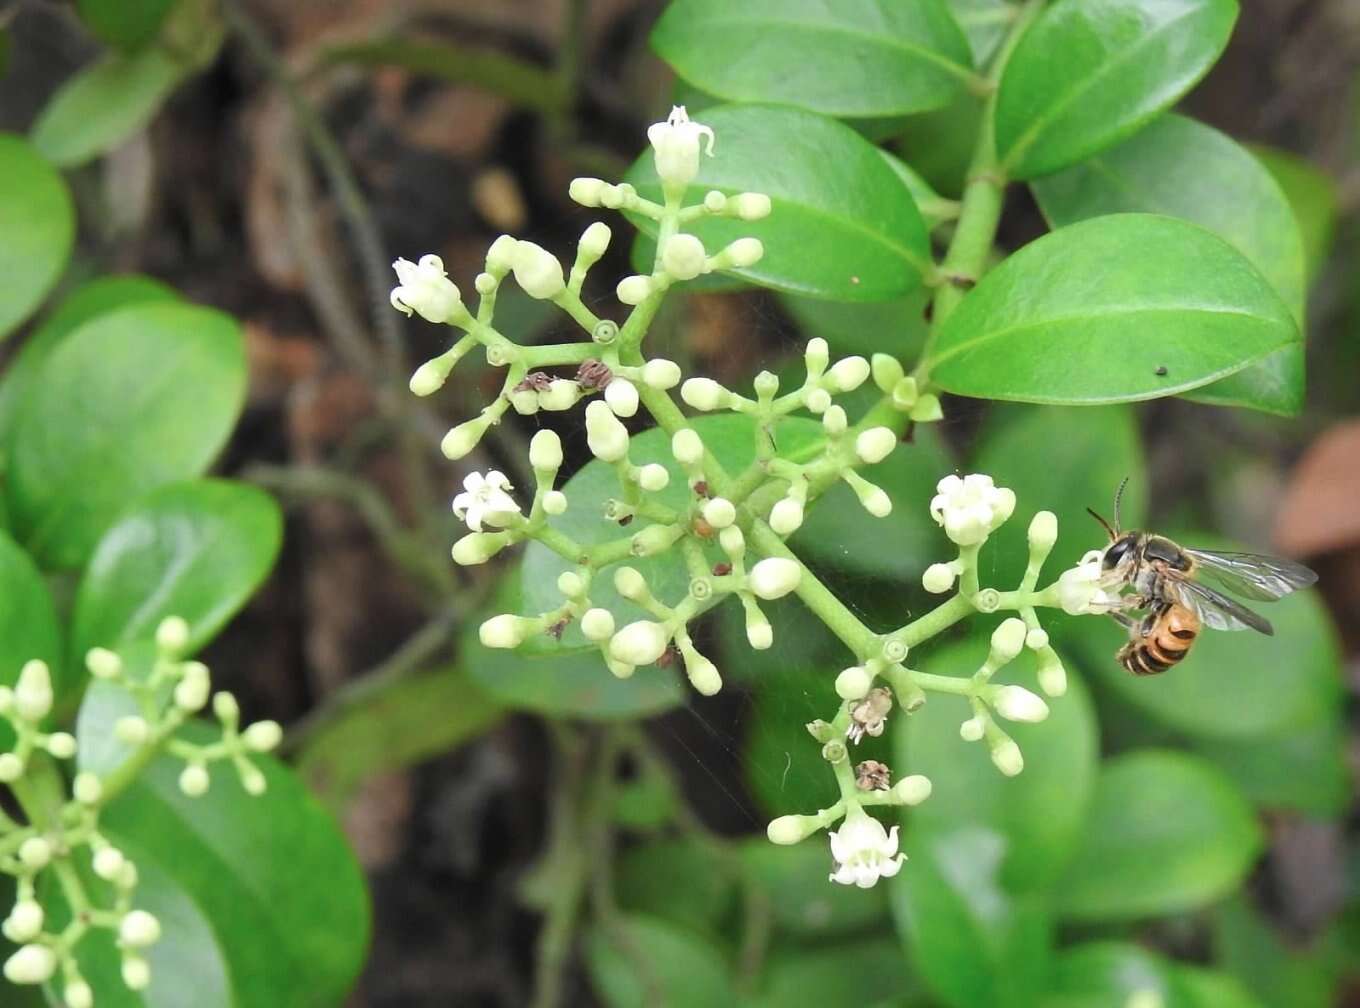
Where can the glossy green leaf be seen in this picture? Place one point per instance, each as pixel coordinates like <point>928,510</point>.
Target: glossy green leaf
<point>104,104</point>
<point>1181,168</point>
<point>939,145</point>
<point>1119,308</point>
<point>642,962</point>
<point>856,58</point>
<point>730,437</point>
<point>935,209</point>
<point>866,328</point>
<point>28,622</point>
<point>126,24</point>
<point>971,941</point>
<point>838,533</point>
<point>388,727</point>
<point>135,398</point>
<point>1088,73</point>
<point>1038,814</point>
<point>1167,833</point>
<point>984,22</point>
<point>843,225</point>
<point>38,222</point>
<point>1312,194</point>
<point>96,297</point>
<point>681,881</point>
<point>794,881</point>
<point>1109,974</point>
<point>197,550</point>
<point>562,682</point>
<point>284,894</point>
<point>820,976</point>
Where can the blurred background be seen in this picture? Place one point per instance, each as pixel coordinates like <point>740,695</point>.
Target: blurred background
<point>314,142</point>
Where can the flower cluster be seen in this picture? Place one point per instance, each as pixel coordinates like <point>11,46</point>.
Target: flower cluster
<point>97,879</point>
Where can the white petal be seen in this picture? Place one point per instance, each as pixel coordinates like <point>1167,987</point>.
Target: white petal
<point>889,846</point>
<point>892,866</point>
<point>844,874</point>
<point>472,482</point>
<point>866,876</point>
<point>840,850</point>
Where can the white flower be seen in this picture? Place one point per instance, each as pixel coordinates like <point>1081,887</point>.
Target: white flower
<point>675,143</point>
<point>864,851</point>
<point>484,499</point>
<point>425,288</point>
<point>1081,589</point>
<point>971,508</point>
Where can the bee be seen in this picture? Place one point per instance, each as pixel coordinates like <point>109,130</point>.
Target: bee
<point>868,716</point>
<point>1168,580</point>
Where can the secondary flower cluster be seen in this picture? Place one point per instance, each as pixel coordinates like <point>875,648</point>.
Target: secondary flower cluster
<point>97,880</point>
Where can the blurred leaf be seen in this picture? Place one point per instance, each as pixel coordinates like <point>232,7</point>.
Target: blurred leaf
<point>1181,168</point>
<point>392,726</point>
<point>839,533</point>
<point>1167,833</point>
<point>852,974</point>
<point>93,298</point>
<point>1113,974</point>
<point>1208,988</point>
<point>1122,62</point>
<point>857,59</point>
<point>1312,195</point>
<point>802,901</point>
<point>1246,946</point>
<point>677,881</point>
<point>1160,307</point>
<point>562,682</point>
<point>730,437</point>
<point>104,104</point>
<point>1039,814</point>
<point>285,897</point>
<point>126,24</point>
<point>649,962</point>
<point>38,222</point>
<point>985,23</point>
<point>646,803</point>
<point>892,327</point>
<point>135,398</point>
<point>197,550</point>
<point>971,941</point>
<point>783,766</point>
<point>1303,768</point>
<point>28,622</point>
<point>939,145</point>
<point>843,226</point>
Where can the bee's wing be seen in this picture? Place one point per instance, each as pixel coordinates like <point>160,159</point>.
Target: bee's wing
<point>1252,575</point>
<point>1217,611</point>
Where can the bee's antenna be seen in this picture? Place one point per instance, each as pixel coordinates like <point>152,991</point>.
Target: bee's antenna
<point>1119,496</point>
<point>1104,524</point>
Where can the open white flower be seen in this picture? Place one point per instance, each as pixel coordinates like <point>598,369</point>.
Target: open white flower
<point>864,851</point>
<point>425,287</point>
<point>971,508</point>
<point>1083,589</point>
<point>484,499</point>
<point>675,143</point>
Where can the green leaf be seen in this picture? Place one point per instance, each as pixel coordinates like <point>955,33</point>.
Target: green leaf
<point>104,104</point>
<point>801,900</point>
<point>390,726</point>
<point>1245,944</point>
<point>28,622</point>
<point>843,225</point>
<point>1167,834</point>
<point>935,209</point>
<point>1040,814</point>
<point>284,896</point>
<point>642,961</point>
<point>971,941</point>
<point>839,534</point>
<point>1303,769</point>
<point>134,399</point>
<point>892,327</point>
<point>562,682</point>
<point>126,24</point>
<point>856,58</point>
<point>96,297</point>
<point>1088,73</point>
<point>1158,306</point>
<point>1106,974</point>
<point>939,145</point>
<point>984,22</point>
<point>197,550</point>
<point>680,881</point>
<point>1181,168</point>
<point>38,222</point>
<point>822,975</point>
<point>1312,195</point>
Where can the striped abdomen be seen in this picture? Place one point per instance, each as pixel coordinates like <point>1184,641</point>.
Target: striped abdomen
<point>1165,640</point>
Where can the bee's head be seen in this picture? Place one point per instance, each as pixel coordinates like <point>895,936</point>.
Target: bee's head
<point>1118,550</point>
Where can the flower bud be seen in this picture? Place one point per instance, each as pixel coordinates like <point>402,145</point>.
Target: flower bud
<point>138,929</point>
<point>818,400</point>
<point>263,736</point>
<point>655,539</point>
<point>597,624</point>
<point>661,374</point>
<point>545,451</point>
<point>1052,675</point>
<point>848,374</point>
<point>606,437</point>
<point>705,394</point>
<point>477,548</point>
<point>87,788</point>
<point>938,578</point>
<point>912,790</point>
<point>683,256</point>
<point>25,921</point>
<point>131,730</point>
<point>744,252</point>
<point>462,439</point>
<point>622,397</point>
<point>853,683</point>
<point>524,401</point>
<point>537,271</point>
<point>972,729</point>
<point>927,409</point>
<point>1036,639</point>
<point>790,829</point>
<point>428,378</point>
<point>108,863</point>
<point>136,973</point>
<point>587,191</point>
<point>686,446</point>
<point>561,394</point>
<point>504,631</point>
<point>834,420</point>
<point>872,498</point>
<point>1015,703</point>
<point>103,663</point>
<point>766,384</point>
<point>1043,531</point>
<point>594,240</point>
<point>61,745</point>
<point>194,780</point>
<point>225,707</point>
<point>620,670</point>
<point>639,643</point>
<point>33,691</point>
<point>77,994</point>
<point>11,768</point>
<point>554,502</point>
<point>485,284</point>
<point>653,477</point>
<point>500,257</point>
<point>703,675</point>
<point>1007,640</point>
<point>875,444</point>
<point>634,289</point>
<point>629,583</point>
<point>774,577</point>
<point>750,206</point>
<point>191,692</point>
<point>786,516</point>
<point>887,371</point>
<point>32,964</point>
<point>35,853</point>
<point>1006,755</point>
<point>816,355</point>
<point>759,633</point>
<point>720,512</point>
<point>732,541</point>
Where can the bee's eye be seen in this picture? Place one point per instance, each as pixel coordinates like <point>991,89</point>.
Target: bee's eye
<point>1116,553</point>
